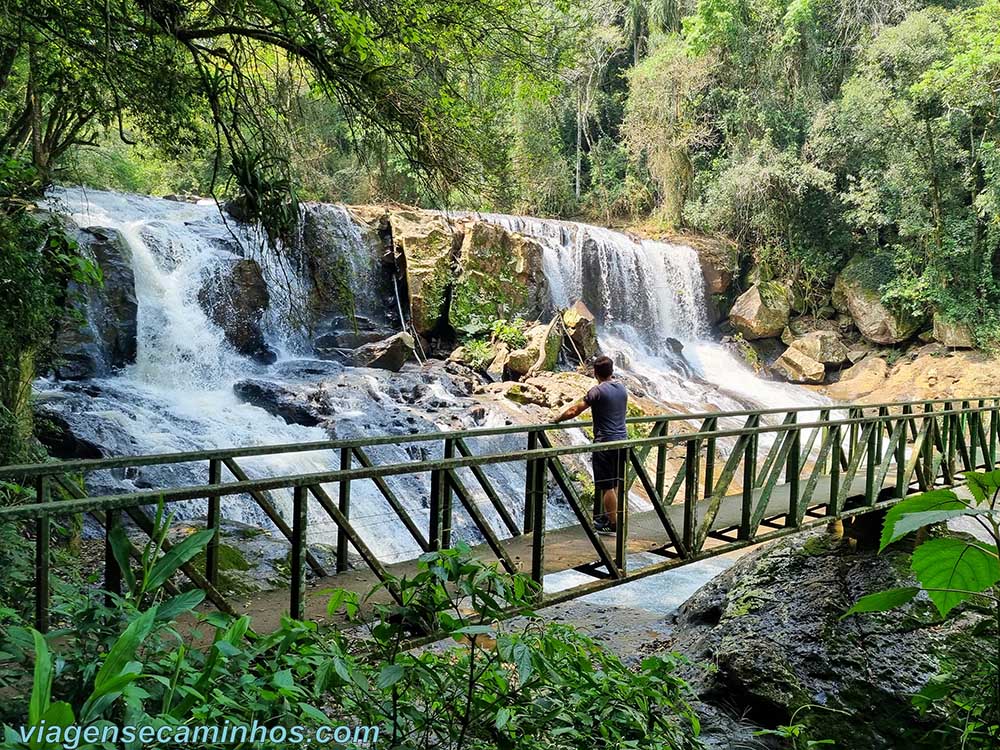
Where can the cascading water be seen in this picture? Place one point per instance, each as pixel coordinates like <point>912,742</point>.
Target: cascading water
<point>179,393</point>
<point>648,296</point>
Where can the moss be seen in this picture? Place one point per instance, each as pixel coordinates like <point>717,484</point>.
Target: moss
<point>231,563</point>
<point>747,602</point>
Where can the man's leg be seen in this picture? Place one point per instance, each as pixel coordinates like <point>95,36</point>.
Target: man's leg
<point>611,506</point>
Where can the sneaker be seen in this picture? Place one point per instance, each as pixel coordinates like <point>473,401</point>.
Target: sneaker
<point>603,527</point>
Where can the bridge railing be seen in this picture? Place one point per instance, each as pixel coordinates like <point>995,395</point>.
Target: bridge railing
<point>823,462</point>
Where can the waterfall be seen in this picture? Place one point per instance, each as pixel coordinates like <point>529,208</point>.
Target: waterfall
<point>645,293</point>
<point>179,394</point>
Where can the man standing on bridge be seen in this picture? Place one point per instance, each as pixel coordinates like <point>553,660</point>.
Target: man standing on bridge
<point>608,401</point>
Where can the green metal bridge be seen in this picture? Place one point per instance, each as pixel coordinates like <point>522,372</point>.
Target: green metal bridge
<point>711,490</point>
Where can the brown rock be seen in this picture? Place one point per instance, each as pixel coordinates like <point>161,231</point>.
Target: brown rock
<point>581,329</point>
<point>424,244</point>
<point>859,380</point>
<point>798,367</point>
<point>856,291</point>
<point>762,311</point>
<point>953,334</point>
<point>822,346</point>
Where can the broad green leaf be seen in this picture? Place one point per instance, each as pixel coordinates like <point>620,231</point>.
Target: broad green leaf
<point>956,565</point>
<point>121,546</point>
<point>123,652</point>
<point>178,605</point>
<point>927,501</point>
<point>882,601</point>
<point>179,554</point>
<point>913,521</point>
<point>41,692</point>
<point>389,676</point>
<point>502,719</point>
<point>314,713</point>
<point>983,485</point>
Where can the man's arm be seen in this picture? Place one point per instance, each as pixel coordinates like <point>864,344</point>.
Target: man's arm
<point>575,409</point>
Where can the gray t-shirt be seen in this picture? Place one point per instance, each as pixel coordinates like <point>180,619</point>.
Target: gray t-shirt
<point>608,401</point>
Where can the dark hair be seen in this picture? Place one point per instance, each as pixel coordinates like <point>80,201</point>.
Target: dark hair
<point>604,368</point>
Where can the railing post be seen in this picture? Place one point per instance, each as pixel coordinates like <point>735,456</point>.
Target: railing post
<point>879,429</point>
<point>447,497</point>
<point>693,450</point>
<point>792,475</point>
<point>438,480</point>
<point>901,453</point>
<point>43,530</point>
<point>661,463</point>
<point>529,487</point>
<point>931,423</point>
<point>711,425</point>
<point>537,504</point>
<point>873,451</point>
<point>621,522</point>
<point>212,522</point>
<point>952,443</point>
<point>112,573</point>
<point>344,505</point>
<point>833,506</point>
<point>994,413</point>
<point>300,520</point>
<point>749,480</point>
<point>853,433</point>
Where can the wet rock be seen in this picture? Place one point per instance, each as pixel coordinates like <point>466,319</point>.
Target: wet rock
<point>798,367</point>
<point>349,267</point>
<point>856,291</point>
<point>295,407</point>
<point>235,296</point>
<point>60,441</point>
<point>425,246</point>
<point>953,334</point>
<point>824,347</point>
<point>389,354</point>
<point>498,367</point>
<point>97,334</point>
<point>762,311</point>
<point>718,260</point>
<point>581,330</point>
<point>499,276</point>
<point>771,626</point>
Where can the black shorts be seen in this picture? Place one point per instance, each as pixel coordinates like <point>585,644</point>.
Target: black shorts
<point>609,469</point>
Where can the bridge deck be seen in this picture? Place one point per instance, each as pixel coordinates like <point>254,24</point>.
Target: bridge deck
<point>565,549</point>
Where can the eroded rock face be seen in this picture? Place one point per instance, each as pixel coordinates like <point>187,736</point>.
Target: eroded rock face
<point>540,353</point>
<point>762,311</point>
<point>235,298</point>
<point>581,329</point>
<point>771,624</point>
<point>953,334</point>
<point>98,333</point>
<point>500,276</point>
<point>798,367</point>
<point>856,292</point>
<point>425,246</point>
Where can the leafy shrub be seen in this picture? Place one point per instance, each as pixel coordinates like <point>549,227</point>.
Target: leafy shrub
<point>526,687</point>
<point>509,332</point>
<point>478,353</point>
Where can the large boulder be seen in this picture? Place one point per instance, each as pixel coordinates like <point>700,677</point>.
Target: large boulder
<point>719,263</point>
<point>856,291</point>
<point>540,353</point>
<point>824,347</point>
<point>349,267</point>
<point>295,406</point>
<point>425,248</point>
<point>389,354</point>
<point>499,276</point>
<point>771,626</point>
<point>762,311</point>
<point>98,333</point>
<point>235,296</point>
<point>953,334</point>
<point>581,330</point>
<point>798,367</point>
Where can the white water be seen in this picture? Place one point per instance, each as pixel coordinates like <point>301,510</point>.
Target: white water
<point>178,396</point>
<point>644,293</point>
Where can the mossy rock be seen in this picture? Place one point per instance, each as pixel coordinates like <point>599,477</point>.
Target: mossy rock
<point>857,291</point>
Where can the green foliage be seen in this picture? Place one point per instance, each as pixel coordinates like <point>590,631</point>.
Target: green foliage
<point>478,353</point>
<point>953,570</point>
<point>529,687</point>
<point>509,332</point>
